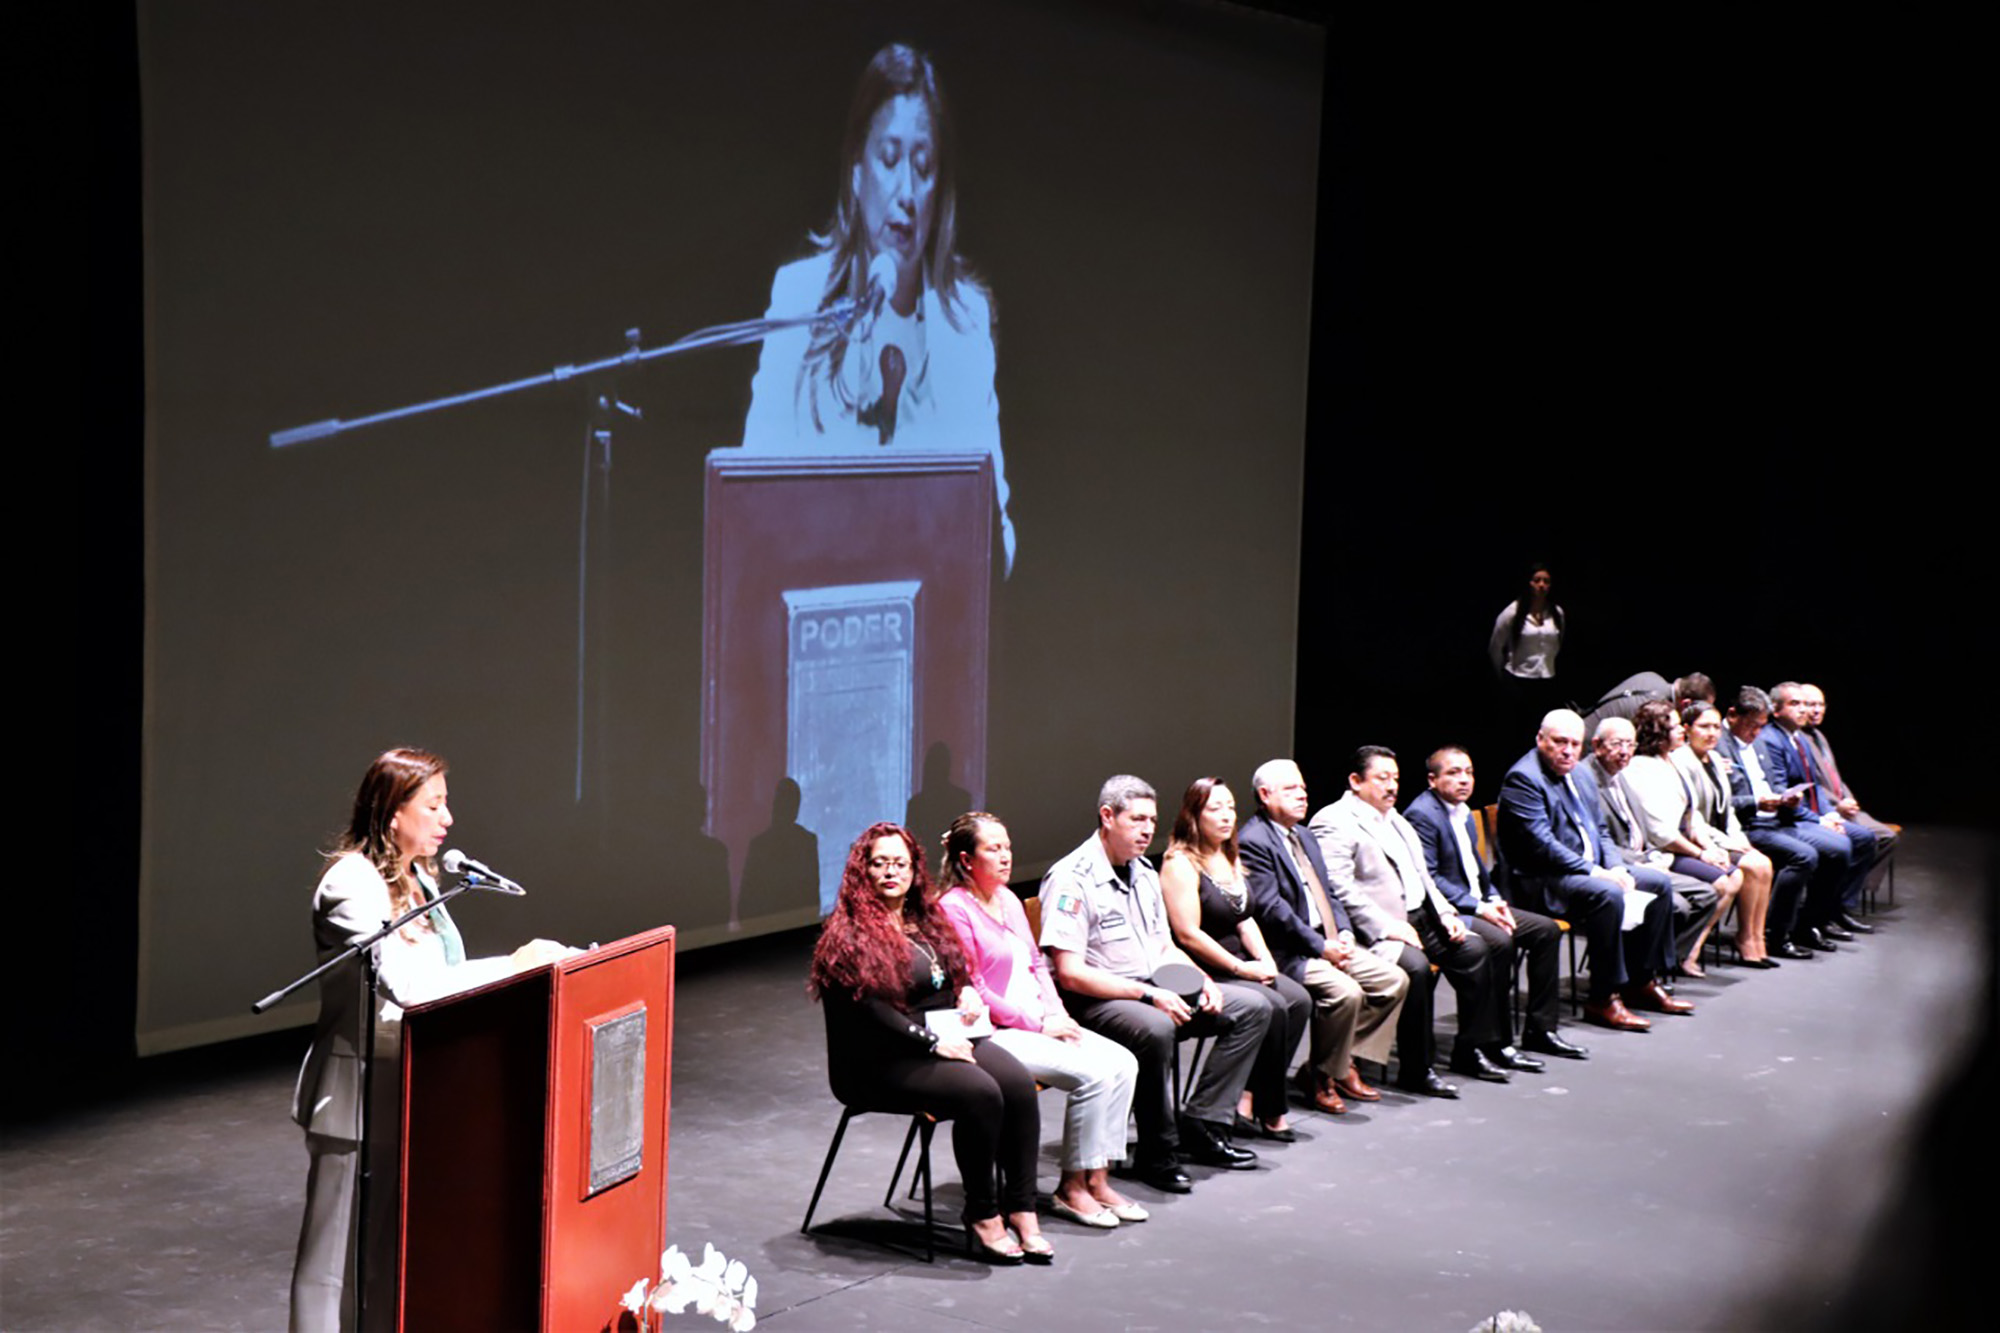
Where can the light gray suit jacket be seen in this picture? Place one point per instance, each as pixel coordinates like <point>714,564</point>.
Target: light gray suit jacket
<point>352,901</point>
<point>1364,856</point>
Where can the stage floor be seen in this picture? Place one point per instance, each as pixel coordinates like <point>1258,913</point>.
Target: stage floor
<point>1730,1170</point>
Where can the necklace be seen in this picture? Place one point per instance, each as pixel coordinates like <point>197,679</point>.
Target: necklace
<point>937,968</point>
<point>1229,882</point>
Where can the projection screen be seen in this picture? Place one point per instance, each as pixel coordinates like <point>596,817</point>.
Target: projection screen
<point>684,621</point>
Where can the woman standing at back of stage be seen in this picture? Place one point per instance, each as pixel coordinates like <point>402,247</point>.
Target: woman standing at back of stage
<point>886,958</point>
<point>1029,1020</point>
<point>383,865</point>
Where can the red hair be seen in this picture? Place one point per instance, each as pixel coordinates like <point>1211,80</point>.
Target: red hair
<point>862,948</point>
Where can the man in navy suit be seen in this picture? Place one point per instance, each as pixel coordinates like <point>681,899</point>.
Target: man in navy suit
<point>1554,850</point>
<point>1821,860</point>
<point>1789,761</point>
<point>1443,822</point>
<point>1356,996</point>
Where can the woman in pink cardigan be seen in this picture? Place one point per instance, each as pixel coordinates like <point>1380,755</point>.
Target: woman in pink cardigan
<point>1030,1023</point>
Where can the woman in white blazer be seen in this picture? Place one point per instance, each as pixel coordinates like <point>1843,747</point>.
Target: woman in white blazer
<point>380,867</point>
<point>914,369</point>
<point>1660,799</point>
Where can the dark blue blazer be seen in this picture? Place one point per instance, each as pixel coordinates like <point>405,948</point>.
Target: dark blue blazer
<point>1784,768</point>
<point>1278,895</point>
<point>1538,837</point>
<point>1427,814</point>
<point>1741,795</point>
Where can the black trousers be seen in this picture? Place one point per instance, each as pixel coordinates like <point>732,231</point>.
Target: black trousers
<point>1291,1008</point>
<point>1470,964</point>
<point>1150,1035</point>
<point>995,1119</point>
<point>1539,940</point>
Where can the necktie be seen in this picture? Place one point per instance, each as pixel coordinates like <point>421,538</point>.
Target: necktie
<point>1576,813</point>
<point>1315,891</point>
<point>1806,764</point>
<point>1832,769</point>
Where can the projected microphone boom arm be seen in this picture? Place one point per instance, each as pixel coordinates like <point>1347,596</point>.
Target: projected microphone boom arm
<point>596,493</point>
<point>716,335</point>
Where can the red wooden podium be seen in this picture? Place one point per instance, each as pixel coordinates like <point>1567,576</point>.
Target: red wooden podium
<point>534,1153</point>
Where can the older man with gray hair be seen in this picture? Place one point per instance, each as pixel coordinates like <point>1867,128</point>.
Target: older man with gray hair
<point>1611,749</point>
<point>1104,925</point>
<point>1356,996</point>
<point>1558,852</point>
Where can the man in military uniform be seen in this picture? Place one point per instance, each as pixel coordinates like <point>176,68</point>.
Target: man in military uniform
<point>1104,925</point>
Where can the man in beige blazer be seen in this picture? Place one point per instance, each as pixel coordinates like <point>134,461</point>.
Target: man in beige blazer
<point>1375,867</point>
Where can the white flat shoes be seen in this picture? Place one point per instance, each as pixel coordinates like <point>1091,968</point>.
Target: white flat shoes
<point>1103,1217</point>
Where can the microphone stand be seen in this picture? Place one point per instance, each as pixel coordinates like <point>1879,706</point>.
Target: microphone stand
<point>364,948</point>
<point>605,409</point>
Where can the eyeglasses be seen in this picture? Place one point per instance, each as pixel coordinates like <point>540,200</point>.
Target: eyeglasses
<point>889,863</point>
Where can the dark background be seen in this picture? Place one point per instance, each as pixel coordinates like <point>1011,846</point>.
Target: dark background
<point>1670,310</point>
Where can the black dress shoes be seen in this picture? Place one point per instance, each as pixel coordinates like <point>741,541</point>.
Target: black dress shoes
<point>1509,1058</point>
<point>1848,923</point>
<point>1833,931</point>
<point>1204,1143</point>
<point>1549,1043</point>
<point>1426,1082</point>
<point>1162,1173</point>
<point>1475,1064</point>
<point>1810,938</point>
<point>1787,949</point>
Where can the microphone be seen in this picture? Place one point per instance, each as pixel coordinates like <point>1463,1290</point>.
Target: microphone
<point>893,370</point>
<point>477,874</point>
<point>882,275</point>
<point>875,289</point>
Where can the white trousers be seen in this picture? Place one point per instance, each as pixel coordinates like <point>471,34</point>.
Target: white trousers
<point>1097,1073</point>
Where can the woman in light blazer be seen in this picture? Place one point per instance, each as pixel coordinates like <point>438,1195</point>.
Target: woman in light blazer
<point>1660,799</point>
<point>1707,780</point>
<point>380,867</point>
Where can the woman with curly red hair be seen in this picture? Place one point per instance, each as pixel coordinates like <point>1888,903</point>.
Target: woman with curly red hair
<point>886,959</point>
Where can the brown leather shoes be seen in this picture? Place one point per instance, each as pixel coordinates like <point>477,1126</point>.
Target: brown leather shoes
<point>1613,1014</point>
<point>1320,1093</point>
<point>1350,1083</point>
<point>1654,996</point>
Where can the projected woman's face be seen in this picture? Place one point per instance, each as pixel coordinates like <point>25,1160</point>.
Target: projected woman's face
<point>893,182</point>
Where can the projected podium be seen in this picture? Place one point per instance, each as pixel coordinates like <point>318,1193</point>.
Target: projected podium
<point>534,1153</point>
<point>844,633</point>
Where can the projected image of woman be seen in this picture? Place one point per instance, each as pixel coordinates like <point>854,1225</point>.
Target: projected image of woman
<point>916,370</point>
<point>380,867</point>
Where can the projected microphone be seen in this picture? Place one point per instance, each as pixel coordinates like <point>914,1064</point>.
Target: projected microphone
<point>874,295</point>
<point>893,370</point>
<point>458,863</point>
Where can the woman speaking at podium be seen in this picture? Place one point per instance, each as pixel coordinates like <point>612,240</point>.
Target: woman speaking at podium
<point>383,865</point>
<point>914,367</point>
